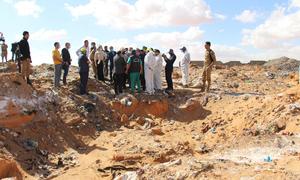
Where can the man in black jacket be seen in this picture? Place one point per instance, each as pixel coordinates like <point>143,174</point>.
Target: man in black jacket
<point>169,69</point>
<point>25,57</point>
<point>83,71</point>
<point>66,61</point>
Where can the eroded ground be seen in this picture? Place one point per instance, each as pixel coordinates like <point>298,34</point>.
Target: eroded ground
<point>247,127</point>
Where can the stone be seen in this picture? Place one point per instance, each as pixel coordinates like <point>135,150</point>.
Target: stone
<point>173,163</point>
<point>157,131</point>
<point>124,119</point>
<point>294,108</point>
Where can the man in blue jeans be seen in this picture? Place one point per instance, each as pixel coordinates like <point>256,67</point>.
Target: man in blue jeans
<point>66,61</point>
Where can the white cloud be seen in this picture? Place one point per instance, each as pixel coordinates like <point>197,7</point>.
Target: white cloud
<point>278,30</point>
<point>143,13</point>
<point>48,35</point>
<point>247,16</point>
<point>27,8</point>
<point>295,3</point>
<point>192,39</point>
<point>220,16</point>
<point>172,39</point>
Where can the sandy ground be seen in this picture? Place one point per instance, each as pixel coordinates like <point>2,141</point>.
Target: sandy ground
<point>247,127</point>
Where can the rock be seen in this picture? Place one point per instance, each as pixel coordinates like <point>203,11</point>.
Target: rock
<point>124,119</point>
<point>173,163</point>
<point>89,107</point>
<point>205,101</point>
<point>140,121</point>
<point>157,131</point>
<point>128,176</point>
<point>190,105</point>
<point>30,144</point>
<point>203,149</point>
<point>294,108</point>
<point>148,123</point>
<point>270,75</point>
<point>119,157</point>
<point>1,144</point>
<point>181,175</point>
<point>279,108</point>
<point>246,97</point>
<point>196,165</point>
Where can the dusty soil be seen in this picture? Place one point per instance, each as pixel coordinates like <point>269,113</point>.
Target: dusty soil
<point>247,127</point>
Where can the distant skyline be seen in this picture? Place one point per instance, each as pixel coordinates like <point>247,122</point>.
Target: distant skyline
<point>239,30</point>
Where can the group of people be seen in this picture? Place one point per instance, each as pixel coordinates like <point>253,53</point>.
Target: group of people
<point>139,69</point>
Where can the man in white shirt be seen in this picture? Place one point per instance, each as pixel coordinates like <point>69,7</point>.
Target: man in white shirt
<point>149,71</point>
<point>157,70</point>
<point>86,46</point>
<point>184,66</point>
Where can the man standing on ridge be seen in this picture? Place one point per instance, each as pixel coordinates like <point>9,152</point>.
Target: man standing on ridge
<point>66,61</point>
<point>157,71</point>
<point>169,69</point>
<point>25,57</point>
<point>92,59</point>
<point>83,63</point>
<point>111,56</point>
<point>57,64</point>
<point>184,66</point>
<point>210,60</point>
<point>4,52</point>
<point>119,71</point>
<point>149,71</point>
<point>134,68</point>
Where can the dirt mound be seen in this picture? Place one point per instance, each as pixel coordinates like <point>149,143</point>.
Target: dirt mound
<point>16,101</point>
<point>9,169</point>
<point>130,105</point>
<point>284,64</point>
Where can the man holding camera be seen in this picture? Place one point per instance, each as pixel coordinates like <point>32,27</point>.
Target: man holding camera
<point>169,69</point>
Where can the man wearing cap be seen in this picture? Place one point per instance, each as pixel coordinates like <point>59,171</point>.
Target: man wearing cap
<point>83,63</point>
<point>149,71</point>
<point>25,57</point>
<point>184,66</point>
<point>57,59</point>
<point>157,70</point>
<point>169,69</point>
<point>210,60</point>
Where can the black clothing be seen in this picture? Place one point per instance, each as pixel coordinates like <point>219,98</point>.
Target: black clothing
<point>100,69</point>
<point>83,64</point>
<point>142,76</point>
<point>170,62</point>
<point>84,76</point>
<point>118,83</point>
<point>66,56</point>
<point>135,64</point>
<point>169,70</point>
<point>24,49</point>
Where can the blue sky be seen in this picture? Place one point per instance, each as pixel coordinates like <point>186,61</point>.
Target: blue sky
<point>239,29</point>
